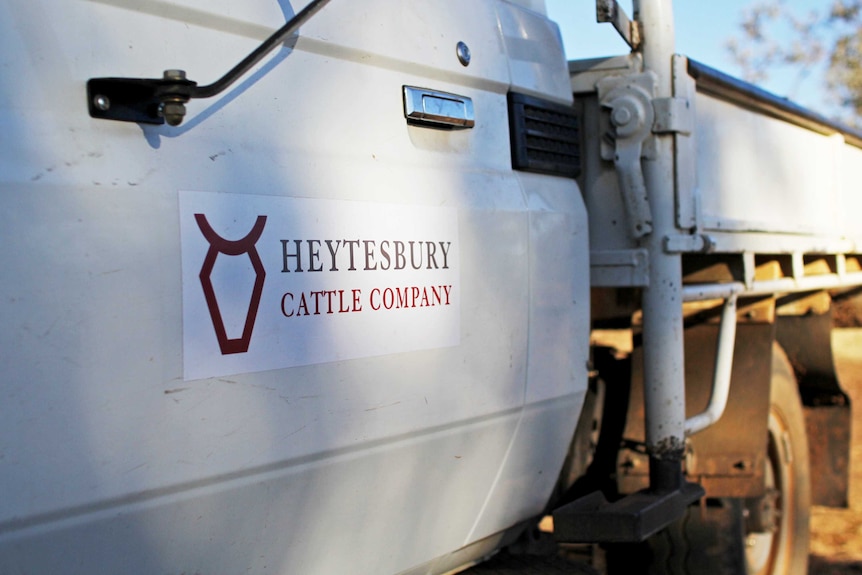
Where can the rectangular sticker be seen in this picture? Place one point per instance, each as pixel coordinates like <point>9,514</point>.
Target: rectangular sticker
<point>273,282</point>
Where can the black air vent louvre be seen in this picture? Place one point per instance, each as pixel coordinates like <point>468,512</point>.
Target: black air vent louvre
<point>545,136</point>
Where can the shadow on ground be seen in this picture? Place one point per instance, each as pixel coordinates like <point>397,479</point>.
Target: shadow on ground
<point>826,566</point>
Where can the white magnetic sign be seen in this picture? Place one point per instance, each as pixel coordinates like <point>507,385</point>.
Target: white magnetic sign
<point>271,282</point>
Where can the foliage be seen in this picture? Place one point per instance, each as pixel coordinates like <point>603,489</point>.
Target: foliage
<point>830,38</point>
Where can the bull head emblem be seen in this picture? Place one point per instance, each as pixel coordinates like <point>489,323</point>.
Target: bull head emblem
<point>219,245</point>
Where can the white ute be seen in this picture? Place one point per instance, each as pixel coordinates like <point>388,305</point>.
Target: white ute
<point>310,288</point>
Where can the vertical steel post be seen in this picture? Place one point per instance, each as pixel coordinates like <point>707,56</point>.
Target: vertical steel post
<point>664,380</point>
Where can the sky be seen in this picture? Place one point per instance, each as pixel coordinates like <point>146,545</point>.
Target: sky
<point>703,28</point>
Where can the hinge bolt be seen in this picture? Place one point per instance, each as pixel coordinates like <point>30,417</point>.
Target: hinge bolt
<point>174,75</point>
<point>173,109</point>
<point>621,116</point>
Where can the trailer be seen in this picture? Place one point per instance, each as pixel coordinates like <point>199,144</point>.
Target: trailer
<point>399,282</point>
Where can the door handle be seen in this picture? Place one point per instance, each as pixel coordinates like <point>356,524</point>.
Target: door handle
<point>437,109</point>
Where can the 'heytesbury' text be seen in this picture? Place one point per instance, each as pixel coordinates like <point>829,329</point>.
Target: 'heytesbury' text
<point>367,255</point>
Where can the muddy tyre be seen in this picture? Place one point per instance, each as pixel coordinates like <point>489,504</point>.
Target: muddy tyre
<point>766,536</point>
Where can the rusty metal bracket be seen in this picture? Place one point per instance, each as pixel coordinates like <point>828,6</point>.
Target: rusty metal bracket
<point>628,29</point>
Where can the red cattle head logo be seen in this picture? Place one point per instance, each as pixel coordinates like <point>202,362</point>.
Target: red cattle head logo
<point>219,245</point>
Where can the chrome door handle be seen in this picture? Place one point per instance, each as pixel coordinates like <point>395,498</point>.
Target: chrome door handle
<point>437,109</point>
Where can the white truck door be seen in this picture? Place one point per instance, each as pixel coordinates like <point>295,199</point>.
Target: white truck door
<point>295,328</point>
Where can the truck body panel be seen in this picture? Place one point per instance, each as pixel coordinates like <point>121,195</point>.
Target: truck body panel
<point>121,452</point>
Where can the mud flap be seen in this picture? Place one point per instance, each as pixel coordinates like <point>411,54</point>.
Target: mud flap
<point>807,341</point>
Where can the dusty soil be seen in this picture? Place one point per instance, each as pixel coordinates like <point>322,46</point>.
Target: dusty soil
<point>836,534</point>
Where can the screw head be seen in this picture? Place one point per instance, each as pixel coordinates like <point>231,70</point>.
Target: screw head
<point>463,52</point>
<point>174,74</point>
<point>101,103</point>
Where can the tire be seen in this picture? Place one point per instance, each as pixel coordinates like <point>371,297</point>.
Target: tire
<point>784,552</point>
<point>724,536</point>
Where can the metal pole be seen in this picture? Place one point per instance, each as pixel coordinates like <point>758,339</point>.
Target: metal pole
<point>664,379</point>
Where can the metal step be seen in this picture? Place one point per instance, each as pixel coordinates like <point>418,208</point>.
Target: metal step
<point>592,519</point>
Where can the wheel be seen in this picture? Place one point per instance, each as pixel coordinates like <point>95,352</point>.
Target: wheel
<point>778,533</point>
<point>762,536</point>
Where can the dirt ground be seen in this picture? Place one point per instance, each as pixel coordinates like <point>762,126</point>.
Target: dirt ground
<point>836,534</point>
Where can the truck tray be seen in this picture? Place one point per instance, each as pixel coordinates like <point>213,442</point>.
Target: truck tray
<point>754,173</point>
